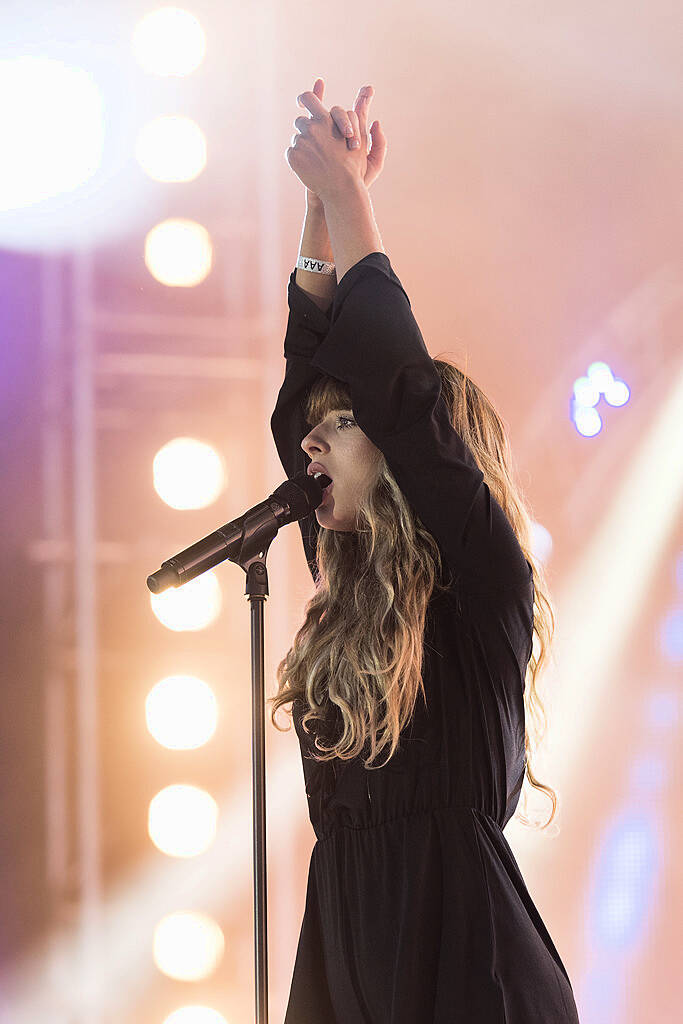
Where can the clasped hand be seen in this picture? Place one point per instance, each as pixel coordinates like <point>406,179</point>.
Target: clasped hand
<point>319,154</point>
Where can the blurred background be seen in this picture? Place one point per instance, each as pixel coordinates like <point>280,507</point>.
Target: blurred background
<point>531,206</point>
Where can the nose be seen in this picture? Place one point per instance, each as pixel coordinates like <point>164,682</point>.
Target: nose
<point>312,443</point>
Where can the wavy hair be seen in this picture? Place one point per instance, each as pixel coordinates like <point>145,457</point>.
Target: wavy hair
<point>358,655</point>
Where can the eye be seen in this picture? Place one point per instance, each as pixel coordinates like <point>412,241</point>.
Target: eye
<point>347,419</point>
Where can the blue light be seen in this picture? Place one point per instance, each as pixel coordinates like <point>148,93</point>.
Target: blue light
<point>600,995</point>
<point>623,887</point>
<point>587,421</point>
<point>599,381</point>
<point>617,393</point>
<point>662,709</point>
<point>586,392</point>
<point>600,374</point>
<point>671,635</point>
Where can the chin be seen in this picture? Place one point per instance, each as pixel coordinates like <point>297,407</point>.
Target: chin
<point>326,519</point>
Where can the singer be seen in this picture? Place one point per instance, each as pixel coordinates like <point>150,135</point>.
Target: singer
<point>411,674</point>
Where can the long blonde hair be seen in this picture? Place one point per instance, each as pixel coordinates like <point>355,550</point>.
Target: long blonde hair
<point>358,654</point>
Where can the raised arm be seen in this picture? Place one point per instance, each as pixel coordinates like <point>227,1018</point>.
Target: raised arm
<point>351,224</point>
<point>315,239</point>
<point>315,242</point>
<point>311,300</point>
<point>310,297</point>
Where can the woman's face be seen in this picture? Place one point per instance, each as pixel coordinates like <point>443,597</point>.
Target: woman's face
<point>351,461</point>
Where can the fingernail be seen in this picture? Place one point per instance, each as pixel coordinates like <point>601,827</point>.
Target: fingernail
<point>354,143</point>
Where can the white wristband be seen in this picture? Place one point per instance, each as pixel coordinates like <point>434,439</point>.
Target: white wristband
<point>315,266</point>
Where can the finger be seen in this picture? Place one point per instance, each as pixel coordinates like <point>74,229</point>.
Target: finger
<point>362,105</point>
<point>342,121</point>
<point>312,103</point>
<point>357,140</point>
<point>319,88</point>
<point>378,152</point>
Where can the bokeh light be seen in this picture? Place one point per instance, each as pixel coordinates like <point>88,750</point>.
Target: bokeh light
<point>188,946</point>
<point>188,474</point>
<point>178,252</point>
<point>182,820</point>
<point>541,542</point>
<point>195,1015</point>
<point>52,129</point>
<point>587,420</point>
<point>671,635</point>
<point>181,712</point>
<point>171,148</point>
<point>586,391</point>
<point>169,41</point>
<point>617,393</point>
<point>600,375</point>
<point>193,606</point>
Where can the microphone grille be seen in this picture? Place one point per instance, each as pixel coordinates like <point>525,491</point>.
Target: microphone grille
<point>303,494</point>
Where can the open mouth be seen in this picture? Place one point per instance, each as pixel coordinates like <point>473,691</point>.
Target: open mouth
<point>326,490</point>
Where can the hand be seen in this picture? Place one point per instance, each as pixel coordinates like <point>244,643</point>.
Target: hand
<point>325,132</point>
<point>377,155</point>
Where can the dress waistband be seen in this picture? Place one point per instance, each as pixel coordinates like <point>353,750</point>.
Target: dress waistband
<point>410,814</point>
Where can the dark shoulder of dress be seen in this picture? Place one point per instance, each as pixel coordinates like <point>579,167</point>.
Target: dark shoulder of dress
<point>370,340</point>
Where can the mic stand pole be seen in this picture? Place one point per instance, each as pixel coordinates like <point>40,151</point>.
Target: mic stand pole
<point>256,591</point>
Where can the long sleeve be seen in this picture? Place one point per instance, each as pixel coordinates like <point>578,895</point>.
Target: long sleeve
<point>375,346</point>
<point>306,327</point>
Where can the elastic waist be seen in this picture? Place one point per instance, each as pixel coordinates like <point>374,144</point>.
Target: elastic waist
<point>427,812</point>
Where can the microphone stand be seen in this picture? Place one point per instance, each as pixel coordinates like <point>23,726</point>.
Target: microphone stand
<point>246,542</point>
<point>256,591</point>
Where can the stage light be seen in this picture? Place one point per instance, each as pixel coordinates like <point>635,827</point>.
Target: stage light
<point>541,542</point>
<point>194,606</point>
<point>171,148</point>
<point>671,635</point>
<point>188,945</point>
<point>178,252</point>
<point>600,374</point>
<point>181,712</point>
<point>625,879</point>
<point>182,820</point>
<point>195,1015</point>
<point>169,41</point>
<point>188,474</point>
<point>587,420</point>
<point>586,392</point>
<point>617,393</point>
<point>52,130</point>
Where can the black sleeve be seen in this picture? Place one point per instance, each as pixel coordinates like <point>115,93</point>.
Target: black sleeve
<point>306,327</point>
<point>375,346</point>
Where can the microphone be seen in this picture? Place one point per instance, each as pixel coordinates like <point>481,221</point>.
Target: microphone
<point>242,538</point>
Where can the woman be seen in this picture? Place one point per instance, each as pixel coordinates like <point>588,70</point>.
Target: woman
<point>407,677</point>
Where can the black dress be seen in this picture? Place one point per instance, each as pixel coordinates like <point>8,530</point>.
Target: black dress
<point>416,911</point>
